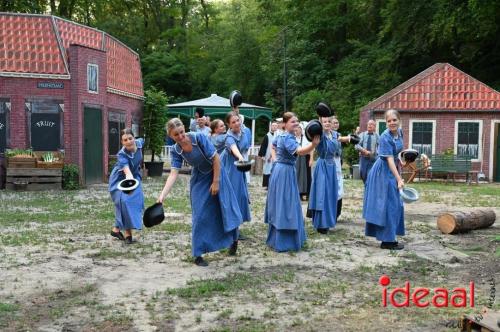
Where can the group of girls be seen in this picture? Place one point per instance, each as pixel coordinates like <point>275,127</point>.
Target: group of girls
<point>219,192</point>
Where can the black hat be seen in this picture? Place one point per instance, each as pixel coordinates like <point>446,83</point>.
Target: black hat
<point>244,166</point>
<point>313,128</point>
<point>128,185</point>
<point>409,155</point>
<point>323,110</point>
<point>354,139</point>
<point>200,111</point>
<point>153,215</point>
<point>235,98</point>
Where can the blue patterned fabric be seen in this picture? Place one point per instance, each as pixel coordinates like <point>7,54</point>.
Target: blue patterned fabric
<point>128,207</point>
<point>283,210</point>
<point>215,218</point>
<point>382,206</point>
<point>237,178</point>
<point>324,188</point>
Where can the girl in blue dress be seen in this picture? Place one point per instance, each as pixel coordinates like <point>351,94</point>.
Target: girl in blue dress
<point>215,216</point>
<point>128,206</point>
<point>324,188</point>
<point>218,136</point>
<point>236,142</point>
<point>283,211</point>
<point>383,206</point>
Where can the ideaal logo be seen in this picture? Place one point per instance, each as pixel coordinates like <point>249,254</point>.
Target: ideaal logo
<point>423,297</point>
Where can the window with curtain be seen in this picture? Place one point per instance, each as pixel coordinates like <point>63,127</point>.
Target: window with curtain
<point>468,139</point>
<point>422,137</point>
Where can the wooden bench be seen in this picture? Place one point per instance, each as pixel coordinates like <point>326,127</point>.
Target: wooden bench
<point>451,166</point>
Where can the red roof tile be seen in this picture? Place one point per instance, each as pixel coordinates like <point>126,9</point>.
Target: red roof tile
<point>38,45</point>
<point>28,44</point>
<point>439,87</point>
<point>124,68</point>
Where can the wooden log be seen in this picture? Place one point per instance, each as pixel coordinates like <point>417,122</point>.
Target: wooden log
<point>459,222</point>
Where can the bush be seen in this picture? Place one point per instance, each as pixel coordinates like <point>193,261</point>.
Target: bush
<point>70,177</point>
<point>350,155</point>
<point>155,108</point>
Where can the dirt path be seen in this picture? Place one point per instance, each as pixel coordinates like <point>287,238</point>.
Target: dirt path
<point>61,271</point>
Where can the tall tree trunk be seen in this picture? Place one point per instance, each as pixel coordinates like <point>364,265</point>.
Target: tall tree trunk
<point>205,12</point>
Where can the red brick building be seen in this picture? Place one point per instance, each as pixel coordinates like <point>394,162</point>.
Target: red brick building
<point>444,108</point>
<point>65,86</point>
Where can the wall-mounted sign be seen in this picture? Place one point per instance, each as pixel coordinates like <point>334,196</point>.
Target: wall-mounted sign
<point>40,124</point>
<point>50,85</point>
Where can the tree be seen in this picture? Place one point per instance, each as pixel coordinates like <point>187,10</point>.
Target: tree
<point>155,108</point>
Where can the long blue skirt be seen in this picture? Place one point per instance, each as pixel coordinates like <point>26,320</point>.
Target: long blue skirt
<point>128,208</point>
<point>382,205</point>
<point>239,183</point>
<point>283,210</point>
<point>215,218</point>
<point>324,194</point>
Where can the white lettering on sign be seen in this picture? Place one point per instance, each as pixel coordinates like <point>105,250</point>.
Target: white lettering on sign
<point>1,126</point>
<point>45,124</point>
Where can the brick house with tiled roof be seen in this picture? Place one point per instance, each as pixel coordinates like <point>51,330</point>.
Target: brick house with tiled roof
<point>444,108</point>
<point>66,86</point>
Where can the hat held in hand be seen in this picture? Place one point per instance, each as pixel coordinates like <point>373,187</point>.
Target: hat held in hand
<point>323,110</point>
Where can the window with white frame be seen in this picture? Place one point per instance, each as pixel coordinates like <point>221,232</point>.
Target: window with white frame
<point>92,78</point>
<point>468,138</point>
<point>116,123</point>
<point>422,136</point>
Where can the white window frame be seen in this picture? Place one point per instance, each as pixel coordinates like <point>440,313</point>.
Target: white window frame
<point>480,138</point>
<point>90,65</point>
<point>433,132</point>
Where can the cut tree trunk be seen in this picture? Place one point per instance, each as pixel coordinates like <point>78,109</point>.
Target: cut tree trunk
<point>459,222</point>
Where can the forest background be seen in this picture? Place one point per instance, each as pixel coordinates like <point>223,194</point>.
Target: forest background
<point>291,54</point>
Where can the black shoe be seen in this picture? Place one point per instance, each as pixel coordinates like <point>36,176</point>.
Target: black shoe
<point>128,240</point>
<point>323,230</point>
<point>118,235</point>
<point>200,261</point>
<point>392,245</point>
<point>242,237</point>
<point>233,249</point>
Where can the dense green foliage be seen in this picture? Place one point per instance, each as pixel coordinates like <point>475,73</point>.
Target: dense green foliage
<point>344,52</point>
<point>155,104</point>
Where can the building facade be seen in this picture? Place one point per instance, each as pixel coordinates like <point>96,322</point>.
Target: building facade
<point>66,87</point>
<point>444,109</point>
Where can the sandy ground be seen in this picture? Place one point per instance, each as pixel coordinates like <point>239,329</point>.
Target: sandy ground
<point>68,274</point>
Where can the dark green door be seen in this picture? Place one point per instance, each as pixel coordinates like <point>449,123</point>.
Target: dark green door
<point>92,145</point>
<point>497,159</point>
<point>381,127</point>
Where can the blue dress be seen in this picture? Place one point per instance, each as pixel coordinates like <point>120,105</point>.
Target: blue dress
<point>283,210</point>
<point>215,218</point>
<point>383,206</point>
<point>236,177</point>
<point>219,142</point>
<point>128,207</point>
<point>324,188</point>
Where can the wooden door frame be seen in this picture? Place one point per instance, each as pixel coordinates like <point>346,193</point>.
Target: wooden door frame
<point>101,109</point>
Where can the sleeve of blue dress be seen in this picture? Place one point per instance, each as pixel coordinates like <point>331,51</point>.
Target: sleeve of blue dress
<point>291,145</point>
<point>385,148</point>
<point>230,141</point>
<point>122,159</point>
<point>206,146</point>
<point>176,159</point>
